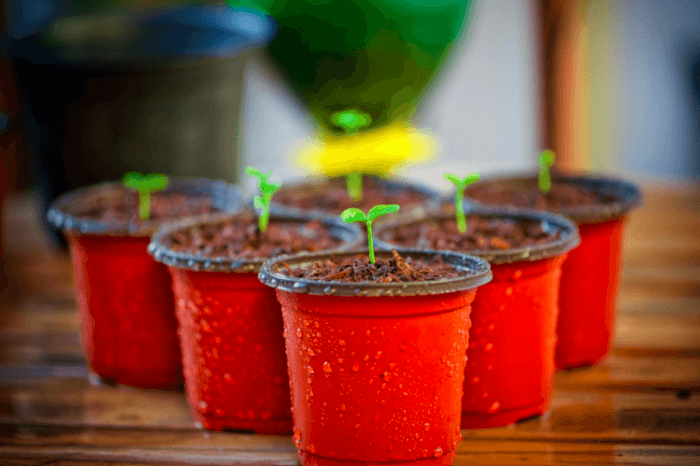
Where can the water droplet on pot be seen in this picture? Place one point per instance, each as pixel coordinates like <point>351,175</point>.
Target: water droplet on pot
<point>310,352</point>
<point>309,369</point>
<point>494,407</point>
<point>475,380</point>
<point>437,453</point>
<point>299,334</point>
<point>357,426</point>
<point>341,342</point>
<point>518,274</point>
<point>203,405</point>
<point>509,291</point>
<point>426,427</point>
<point>488,347</point>
<point>355,367</point>
<point>327,367</point>
<point>342,407</point>
<point>378,355</point>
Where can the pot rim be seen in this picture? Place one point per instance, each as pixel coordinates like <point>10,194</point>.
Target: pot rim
<point>628,193</point>
<point>224,196</point>
<point>479,273</point>
<point>161,252</point>
<point>433,197</point>
<point>569,240</point>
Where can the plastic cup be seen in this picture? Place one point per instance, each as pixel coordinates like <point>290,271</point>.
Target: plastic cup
<point>125,298</point>
<point>376,369</point>
<point>230,328</point>
<point>590,274</point>
<point>510,367</point>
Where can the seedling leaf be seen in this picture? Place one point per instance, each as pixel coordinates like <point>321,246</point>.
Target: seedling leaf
<point>356,215</point>
<point>353,215</point>
<point>251,171</point>
<point>381,209</point>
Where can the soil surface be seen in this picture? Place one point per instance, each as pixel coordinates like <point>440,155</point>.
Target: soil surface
<point>124,207</point>
<point>331,195</point>
<point>241,238</point>
<point>359,269</point>
<point>560,197</point>
<point>483,234</point>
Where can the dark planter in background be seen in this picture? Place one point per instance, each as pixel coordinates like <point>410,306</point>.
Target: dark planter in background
<point>152,90</point>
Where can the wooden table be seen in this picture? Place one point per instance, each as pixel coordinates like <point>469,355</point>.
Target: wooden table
<point>642,406</point>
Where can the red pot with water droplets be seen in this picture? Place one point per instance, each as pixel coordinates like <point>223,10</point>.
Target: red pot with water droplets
<point>230,328</point>
<point>233,351</point>
<point>510,367</point>
<point>590,274</point>
<point>376,379</point>
<point>510,360</point>
<point>125,298</point>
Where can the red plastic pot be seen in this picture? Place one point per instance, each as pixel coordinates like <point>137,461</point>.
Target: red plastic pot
<point>230,328</point>
<point>591,273</point>
<point>376,369</point>
<point>125,298</point>
<point>588,299</point>
<point>510,367</point>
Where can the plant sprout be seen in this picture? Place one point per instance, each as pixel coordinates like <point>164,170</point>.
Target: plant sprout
<point>267,189</point>
<point>354,182</point>
<point>545,179</point>
<point>461,184</point>
<point>145,185</point>
<point>351,121</point>
<point>354,214</point>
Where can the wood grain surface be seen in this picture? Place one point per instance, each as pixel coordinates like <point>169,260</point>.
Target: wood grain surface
<point>640,407</point>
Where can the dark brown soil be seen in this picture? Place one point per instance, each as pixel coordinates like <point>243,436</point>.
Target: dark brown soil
<point>483,234</point>
<point>331,196</point>
<point>359,269</point>
<point>560,197</point>
<point>240,238</point>
<point>164,206</point>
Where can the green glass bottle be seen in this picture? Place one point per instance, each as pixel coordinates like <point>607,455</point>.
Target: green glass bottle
<point>359,64</point>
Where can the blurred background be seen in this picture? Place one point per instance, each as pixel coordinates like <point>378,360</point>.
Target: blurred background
<point>612,87</point>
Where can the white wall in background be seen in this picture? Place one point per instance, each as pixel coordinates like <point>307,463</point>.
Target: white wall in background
<point>483,107</point>
<point>660,53</point>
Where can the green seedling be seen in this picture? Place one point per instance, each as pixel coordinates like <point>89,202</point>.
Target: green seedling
<point>461,184</point>
<point>545,179</point>
<point>351,121</point>
<point>145,185</point>
<point>262,202</point>
<point>354,182</point>
<point>354,214</point>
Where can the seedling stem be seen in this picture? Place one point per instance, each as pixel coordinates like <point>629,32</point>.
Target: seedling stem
<point>460,185</point>
<point>545,179</point>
